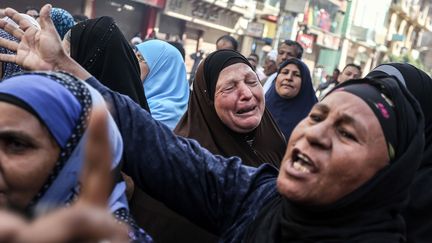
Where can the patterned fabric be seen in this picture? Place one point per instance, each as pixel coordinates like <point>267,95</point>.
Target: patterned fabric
<point>82,94</point>
<point>136,234</point>
<point>8,68</point>
<point>100,47</point>
<point>63,104</point>
<point>62,20</point>
<point>383,109</point>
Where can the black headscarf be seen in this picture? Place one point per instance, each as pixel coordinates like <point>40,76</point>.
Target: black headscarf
<point>100,47</point>
<point>265,144</point>
<point>214,64</point>
<point>289,112</point>
<point>372,212</point>
<point>418,215</point>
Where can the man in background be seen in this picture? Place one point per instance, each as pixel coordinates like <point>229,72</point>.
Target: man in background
<point>226,42</point>
<point>350,71</point>
<point>286,49</point>
<point>253,59</point>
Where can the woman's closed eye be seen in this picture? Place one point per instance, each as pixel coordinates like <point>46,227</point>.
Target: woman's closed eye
<point>348,135</point>
<point>228,88</point>
<point>15,143</point>
<point>315,117</point>
<point>252,83</point>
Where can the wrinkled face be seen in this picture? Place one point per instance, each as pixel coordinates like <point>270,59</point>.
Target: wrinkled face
<point>288,82</point>
<point>224,44</point>
<point>349,73</point>
<point>270,67</point>
<point>239,98</point>
<point>27,156</point>
<point>285,52</point>
<point>333,151</point>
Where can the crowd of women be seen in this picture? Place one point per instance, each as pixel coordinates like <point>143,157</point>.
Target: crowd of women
<point>101,142</point>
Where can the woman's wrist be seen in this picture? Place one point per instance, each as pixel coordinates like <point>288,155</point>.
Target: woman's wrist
<point>67,64</point>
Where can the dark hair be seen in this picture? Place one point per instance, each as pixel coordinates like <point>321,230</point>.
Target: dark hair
<point>336,70</point>
<point>254,55</point>
<point>299,48</point>
<point>229,38</point>
<point>352,65</point>
<point>79,17</point>
<point>179,47</point>
<point>28,8</point>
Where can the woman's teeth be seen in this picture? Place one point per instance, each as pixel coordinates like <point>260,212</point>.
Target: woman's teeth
<point>302,163</point>
<point>300,166</point>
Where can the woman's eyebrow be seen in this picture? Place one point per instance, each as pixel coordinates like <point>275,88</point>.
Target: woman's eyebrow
<point>16,134</point>
<point>323,108</point>
<point>347,119</point>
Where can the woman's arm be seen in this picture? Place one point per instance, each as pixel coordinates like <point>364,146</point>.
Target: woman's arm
<point>208,189</point>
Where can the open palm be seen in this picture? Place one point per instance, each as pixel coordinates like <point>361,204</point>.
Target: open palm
<point>38,49</point>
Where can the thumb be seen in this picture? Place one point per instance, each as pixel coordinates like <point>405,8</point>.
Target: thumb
<point>45,20</point>
<point>96,176</point>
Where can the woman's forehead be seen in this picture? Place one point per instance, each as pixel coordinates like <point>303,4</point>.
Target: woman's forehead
<point>291,66</point>
<point>235,72</point>
<point>344,103</point>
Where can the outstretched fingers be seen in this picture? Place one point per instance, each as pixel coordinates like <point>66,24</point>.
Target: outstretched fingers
<point>18,18</point>
<point>12,29</point>
<point>45,20</point>
<point>8,44</point>
<point>8,58</point>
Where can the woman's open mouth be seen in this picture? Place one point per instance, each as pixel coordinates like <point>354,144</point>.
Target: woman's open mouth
<point>302,163</point>
<point>246,110</point>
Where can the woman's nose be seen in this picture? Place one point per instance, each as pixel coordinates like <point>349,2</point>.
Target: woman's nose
<point>319,135</point>
<point>245,91</point>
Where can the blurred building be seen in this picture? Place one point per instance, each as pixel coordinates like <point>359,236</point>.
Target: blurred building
<point>390,31</point>
<point>262,29</point>
<point>321,35</point>
<point>132,16</point>
<point>364,41</point>
<point>408,20</point>
<point>365,32</point>
<point>199,23</point>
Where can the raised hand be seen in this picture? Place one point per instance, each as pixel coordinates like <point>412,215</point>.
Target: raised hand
<point>38,49</point>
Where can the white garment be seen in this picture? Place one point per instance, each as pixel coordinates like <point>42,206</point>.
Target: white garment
<point>261,75</point>
<point>269,82</point>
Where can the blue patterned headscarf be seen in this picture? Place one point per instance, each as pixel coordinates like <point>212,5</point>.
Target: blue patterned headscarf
<point>63,21</point>
<point>63,104</point>
<point>8,68</point>
<point>166,86</point>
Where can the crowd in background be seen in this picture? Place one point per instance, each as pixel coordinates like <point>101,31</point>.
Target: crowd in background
<point>105,139</point>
